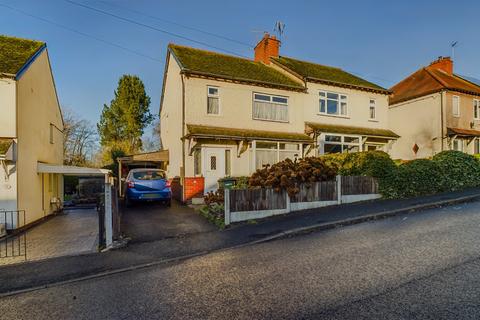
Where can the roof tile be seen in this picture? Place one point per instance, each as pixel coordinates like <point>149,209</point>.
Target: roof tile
<point>15,52</point>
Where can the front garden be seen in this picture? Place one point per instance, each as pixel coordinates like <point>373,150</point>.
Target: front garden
<point>446,171</point>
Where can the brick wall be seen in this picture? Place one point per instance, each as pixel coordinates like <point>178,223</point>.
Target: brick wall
<point>193,188</point>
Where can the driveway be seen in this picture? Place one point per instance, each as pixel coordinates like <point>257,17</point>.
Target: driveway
<point>74,232</point>
<point>155,221</point>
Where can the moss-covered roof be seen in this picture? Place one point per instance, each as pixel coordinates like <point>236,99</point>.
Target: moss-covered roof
<point>332,128</point>
<point>242,134</point>
<point>207,63</point>
<point>15,52</point>
<point>5,144</point>
<point>320,73</point>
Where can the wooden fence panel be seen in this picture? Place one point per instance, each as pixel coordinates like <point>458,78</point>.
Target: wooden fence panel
<point>257,199</point>
<point>359,185</point>
<point>318,191</point>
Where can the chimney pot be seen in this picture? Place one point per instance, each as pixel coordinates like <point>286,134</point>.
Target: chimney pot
<point>268,47</point>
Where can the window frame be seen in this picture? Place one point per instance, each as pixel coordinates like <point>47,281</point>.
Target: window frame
<point>370,109</point>
<point>277,150</point>
<point>321,142</point>
<point>476,109</point>
<point>325,113</point>
<point>272,102</point>
<point>458,106</point>
<point>209,95</point>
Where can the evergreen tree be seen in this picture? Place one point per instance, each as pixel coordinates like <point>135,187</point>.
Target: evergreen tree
<point>122,123</point>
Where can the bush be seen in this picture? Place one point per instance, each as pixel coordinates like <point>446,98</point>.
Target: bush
<point>376,164</point>
<point>288,174</point>
<point>413,178</point>
<point>459,170</point>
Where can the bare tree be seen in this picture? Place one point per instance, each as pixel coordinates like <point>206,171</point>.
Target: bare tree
<point>80,139</point>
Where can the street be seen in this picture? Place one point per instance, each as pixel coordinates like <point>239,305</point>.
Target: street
<point>419,266</point>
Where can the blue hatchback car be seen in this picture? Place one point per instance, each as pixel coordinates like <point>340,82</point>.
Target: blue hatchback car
<point>147,185</point>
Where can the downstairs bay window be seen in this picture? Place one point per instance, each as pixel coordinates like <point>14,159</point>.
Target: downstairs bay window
<point>335,143</point>
<point>263,153</point>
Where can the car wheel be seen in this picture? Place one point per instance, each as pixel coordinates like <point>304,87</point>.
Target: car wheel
<point>128,202</point>
<point>169,203</point>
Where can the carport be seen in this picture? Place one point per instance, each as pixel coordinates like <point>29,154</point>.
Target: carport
<point>156,159</point>
<point>85,171</point>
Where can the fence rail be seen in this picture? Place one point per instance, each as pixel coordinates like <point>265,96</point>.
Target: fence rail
<point>242,205</point>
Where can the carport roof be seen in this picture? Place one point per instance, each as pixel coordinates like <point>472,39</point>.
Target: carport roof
<point>70,170</point>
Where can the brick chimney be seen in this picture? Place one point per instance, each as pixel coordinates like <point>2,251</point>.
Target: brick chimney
<point>443,63</point>
<point>268,47</point>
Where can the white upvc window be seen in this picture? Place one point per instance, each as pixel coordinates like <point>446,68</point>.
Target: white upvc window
<point>213,100</point>
<point>373,109</point>
<point>456,106</point>
<point>266,152</point>
<point>457,145</point>
<point>476,109</point>
<point>336,143</point>
<point>270,107</point>
<point>334,104</point>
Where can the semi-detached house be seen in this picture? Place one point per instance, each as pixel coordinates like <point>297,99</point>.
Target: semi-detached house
<point>228,116</point>
<point>434,110</point>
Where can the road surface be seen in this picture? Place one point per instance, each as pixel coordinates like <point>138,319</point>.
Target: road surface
<point>418,266</point>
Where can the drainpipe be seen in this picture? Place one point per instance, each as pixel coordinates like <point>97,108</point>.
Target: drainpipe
<point>182,172</point>
<point>441,117</point>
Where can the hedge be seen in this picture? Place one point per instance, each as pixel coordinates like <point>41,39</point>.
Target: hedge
<point>446,171</point>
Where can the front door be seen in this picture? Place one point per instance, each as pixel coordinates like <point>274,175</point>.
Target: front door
<point>213,167</point>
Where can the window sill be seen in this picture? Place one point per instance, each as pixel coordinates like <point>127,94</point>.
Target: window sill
<point>373,120</point>
<point>213,115</point>
<point>332,115</point>
<point>280,121</point>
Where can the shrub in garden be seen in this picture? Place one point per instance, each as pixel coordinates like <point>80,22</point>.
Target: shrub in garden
<point>288,174</point>
<point>376,164</point>
<point>413,178</point>
<point>214,210</point>
<point>459,170</point>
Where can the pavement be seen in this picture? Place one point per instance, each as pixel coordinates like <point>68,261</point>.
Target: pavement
<point>181,246</point>
<point>72,233</point>
<point>421,266</point>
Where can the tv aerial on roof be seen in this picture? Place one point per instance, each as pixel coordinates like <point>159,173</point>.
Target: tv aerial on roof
<point>453,45</point>
<point>279,29</point>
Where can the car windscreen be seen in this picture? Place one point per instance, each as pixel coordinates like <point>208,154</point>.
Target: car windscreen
<point>149,175</point>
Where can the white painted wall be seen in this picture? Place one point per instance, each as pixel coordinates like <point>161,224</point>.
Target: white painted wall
<point>358,102</point>
<point>417,121</point>
<point>171,118</point>
<point>7,108</point>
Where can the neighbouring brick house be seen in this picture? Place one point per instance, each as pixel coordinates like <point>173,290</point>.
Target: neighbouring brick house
<point>223,115</point>
<point>433,110</point>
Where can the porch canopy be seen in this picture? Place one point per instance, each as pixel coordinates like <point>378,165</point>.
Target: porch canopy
<point>363,131</point>
<point>71,170</point>
<point>221,133</point>
<point>464,133</point>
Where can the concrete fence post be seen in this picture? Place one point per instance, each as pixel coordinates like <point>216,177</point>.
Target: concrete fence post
<point>108,215</point>
<point>288,207</point>
<point>226,205</point>
<point>339,189</point>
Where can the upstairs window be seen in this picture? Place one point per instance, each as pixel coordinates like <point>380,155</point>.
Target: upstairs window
<point>333,104</point>
<point>373,109</point>
<point>213,101</point>
<point>456,106</point>
<point>476,109</point>
<point>268,107</point>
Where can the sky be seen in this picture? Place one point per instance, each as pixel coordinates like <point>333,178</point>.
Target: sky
<point>381,41</point>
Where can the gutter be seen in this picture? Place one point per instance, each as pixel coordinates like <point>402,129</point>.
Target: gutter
<point>274,85</point>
